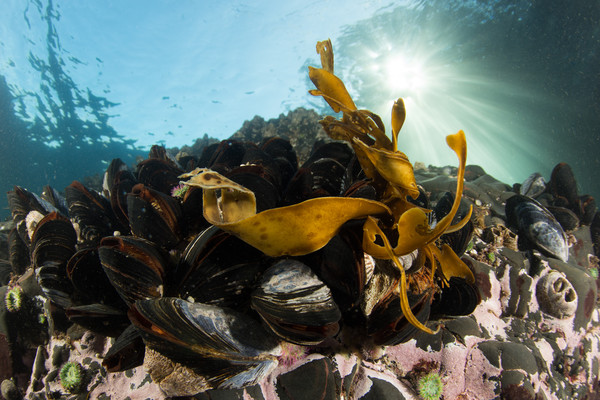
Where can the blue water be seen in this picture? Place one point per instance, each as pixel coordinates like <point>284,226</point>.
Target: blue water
<point>84,82</point>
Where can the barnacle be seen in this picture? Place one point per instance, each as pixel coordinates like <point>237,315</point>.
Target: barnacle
<point>308,226</point>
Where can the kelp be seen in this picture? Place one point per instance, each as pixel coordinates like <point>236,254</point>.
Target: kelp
<point>305,227</point>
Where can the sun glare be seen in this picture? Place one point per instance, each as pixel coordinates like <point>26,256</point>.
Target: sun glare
<point>406,75</point>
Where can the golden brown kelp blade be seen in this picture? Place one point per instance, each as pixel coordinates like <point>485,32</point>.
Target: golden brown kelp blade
<point>292,230</point>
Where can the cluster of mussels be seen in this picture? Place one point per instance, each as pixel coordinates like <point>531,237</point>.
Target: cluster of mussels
<point>205,265</point>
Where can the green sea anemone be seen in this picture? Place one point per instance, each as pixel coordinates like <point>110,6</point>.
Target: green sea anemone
<point>71,376</point>
<point>14,299</point>
<point>430,386</point>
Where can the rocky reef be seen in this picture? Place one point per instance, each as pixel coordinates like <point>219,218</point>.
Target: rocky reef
<point>302,250</point>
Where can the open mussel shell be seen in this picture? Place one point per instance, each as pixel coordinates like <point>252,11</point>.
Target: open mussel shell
<point>537,227</point>
<point>219,269</point>
<point>155,216</point>
<point>53,244</point>
<point>91,213</point>
<point>134,266</point>
<point>296,304</point>
<point>229,349</point>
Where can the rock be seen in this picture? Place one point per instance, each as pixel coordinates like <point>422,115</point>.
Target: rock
<point>382,390</point>
<point>294,385</point>
<point>508,355</point>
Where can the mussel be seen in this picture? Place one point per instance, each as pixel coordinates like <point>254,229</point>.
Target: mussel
<point>227,348</point>
<point>536,226</point>
<point>296,304</point>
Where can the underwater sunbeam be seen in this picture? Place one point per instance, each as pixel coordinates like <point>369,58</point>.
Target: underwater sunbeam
<point>448,83</point>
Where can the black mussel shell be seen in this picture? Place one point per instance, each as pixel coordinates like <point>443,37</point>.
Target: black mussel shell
<point>53,244</point>
<point>338,151</point>
<point>159,174</point>
<point>327,177</point>
<point>536,226</point>
<point>565,217</point>
<point>563,187</point>
<point>21,202</point>
<point>126,352</point>
<point>191,207</point>
<point>260,182</point>
<point>18,253</point>
<point>458,298</point>
<point>187,162</point>
<point>228,348</point>
<point>91,284</point>
<point>423,201</point>
<point>341,266</point>
<point>299,188</point>
<point>284,159</point>
<point>387,324</point>
<point>155,216</point>
<point>361,189</point>
<point>219,269</point>
<point>99,318</point>
<point>27,207</point>
<point>207,155</point>
<point>134,266</point>
<point>277,147</point>
<point>160,153</point>
<point>296,304</point>
<point>227,155</point>
<point>118,181</point>
<point>56,199</point>
<point>91,213</point>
